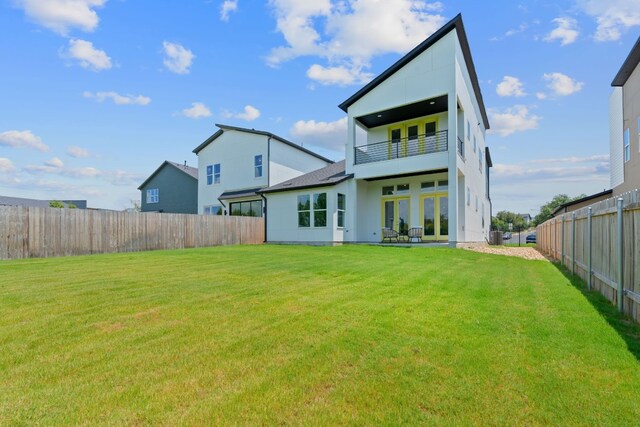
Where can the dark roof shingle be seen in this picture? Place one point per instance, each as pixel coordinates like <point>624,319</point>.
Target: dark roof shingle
<point>328,175</point>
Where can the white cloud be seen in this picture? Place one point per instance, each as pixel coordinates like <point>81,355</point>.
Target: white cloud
<point>541,95</point>
<point>87,56</point>
<point>197,111</point>
<point>56,167</point>
<point>512,32</point>
<point>329,135</point>
<point>117,98</point>
<point>178,59</point>
<point>612,16</point>
<point>22,139</point>
<point>78,152</point>
<point>6,165</point>
<point>512,120</point>
<point>55,162</point>
<point>349,33</point>
<point>566,31</point>
<point>62,15</point>
<point>561,84</point>
<point>588,168</point>
<point>227,7</point>
<point>510,86</point>
<point>337,75</point>
<point>249,114</point>
<point>589,159</point>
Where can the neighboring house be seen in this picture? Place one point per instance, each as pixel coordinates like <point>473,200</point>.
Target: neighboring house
<point>424,162</point>
<point>235,163</point>
<point>582,202</point>
<point>624,125</point>
<point>35,203</point>
<point>172,188</point>
<point>526,217</point>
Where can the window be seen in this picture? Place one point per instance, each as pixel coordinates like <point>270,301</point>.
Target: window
<point>342,202</point>
<point>213,210</point>
<point>443,185</point>
<point>428,187</point>
<point>475,144</point>
<point>387,191</point>
<point>153,195</point>
<point>402,189</point>
<point>398,189</point>
<point>476,203</point>
<point>480,159</point>
<point>482,214</point>
<point>248,208</point>
<point>627,149</point>
<point>468,196</point>
<point>216,173</point>
<point>320,210</point>
<point>257,165</point>
<point>468,130</point>
<point>209,174</point>
<point>304,211</point>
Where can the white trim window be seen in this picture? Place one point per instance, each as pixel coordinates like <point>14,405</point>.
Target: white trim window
<point>216,173</point>
<point>209,174</point>
<point>213,210</point>
<point>320,209</point>
<point>153,195</point>
<point>257,166</point>
<point>468,130</point>
<point>468,196</point>
<point>342,206</point>
<point>304,211</point>
<point>475,143</point>
<point>480,159</point>
<point>627,148</point>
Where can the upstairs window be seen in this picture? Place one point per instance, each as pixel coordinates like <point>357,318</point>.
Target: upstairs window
<point>475,144</point>
<point>468,196</point>
<point>257,165</point>
<point>468,130</point>
<point>209,174</point>
<point>342,202</point>
<point>153,195</point>
<point>216,173</point>
<point>627,148</point>
<point>480,159</point>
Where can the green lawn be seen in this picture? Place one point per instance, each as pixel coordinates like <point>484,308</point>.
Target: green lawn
<point>310,335</point>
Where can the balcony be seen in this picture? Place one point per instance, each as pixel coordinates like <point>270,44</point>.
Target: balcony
<point>400,148</point>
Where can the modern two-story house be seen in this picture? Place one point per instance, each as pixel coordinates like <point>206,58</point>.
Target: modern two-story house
<point>423,165</point>
<point>171,188</point>
<point>235,163</point>
<point>624,125</point>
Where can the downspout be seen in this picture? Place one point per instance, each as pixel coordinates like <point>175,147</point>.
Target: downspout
<point>223,205</point>
<point>264,208</point>
<point>264,212</point>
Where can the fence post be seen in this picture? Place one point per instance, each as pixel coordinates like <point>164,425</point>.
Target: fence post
<point>589,211</point>
<point>620,295</point>
<point>573,242</point>
<point>562,240</point>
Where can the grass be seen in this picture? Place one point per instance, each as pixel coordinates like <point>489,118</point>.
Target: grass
<point>310,335</point>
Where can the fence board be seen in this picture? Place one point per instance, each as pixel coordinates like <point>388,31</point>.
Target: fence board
<point>46,232</point>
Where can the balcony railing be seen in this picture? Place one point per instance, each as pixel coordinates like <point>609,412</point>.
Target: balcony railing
<point>404,147</point>
<point>461,148</point>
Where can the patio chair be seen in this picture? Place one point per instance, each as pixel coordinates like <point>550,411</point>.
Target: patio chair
<point>415,233</point>
<point>389,234</point>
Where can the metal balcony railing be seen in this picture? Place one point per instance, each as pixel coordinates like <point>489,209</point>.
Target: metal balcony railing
<point>461,148</point>
<point>404,147</point>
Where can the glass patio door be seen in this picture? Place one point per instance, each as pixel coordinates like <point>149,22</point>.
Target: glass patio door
<point>435,217</point>
<point>395,214</point>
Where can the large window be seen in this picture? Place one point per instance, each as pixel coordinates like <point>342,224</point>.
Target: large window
<point>209,174</point>
<point>257,165</point>
<point>468,130</point>
<point>304,211</point>
<point>320,210</point>
<point>216,173</point>
<point>248,208</point>
<point>342,202</point>
<point>213,210</point>
<point>153,195</point>
<point>627,148</point>
<point>475,143</point>
<point>468,196</point>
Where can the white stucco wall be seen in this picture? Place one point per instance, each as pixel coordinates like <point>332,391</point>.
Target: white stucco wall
<point>616,138</point>
<point>286,162</point>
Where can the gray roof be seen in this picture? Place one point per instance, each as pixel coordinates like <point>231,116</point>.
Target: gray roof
<point>189,170</point>
<point>629,65</point>
<point>35,203</point>
<point>256,132</point>
<point>227,195</point>
<point>454,24</point>
<point>328,175</point>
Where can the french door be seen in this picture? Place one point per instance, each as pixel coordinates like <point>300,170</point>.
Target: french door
<point>395,214</point>
<point>434,210</point>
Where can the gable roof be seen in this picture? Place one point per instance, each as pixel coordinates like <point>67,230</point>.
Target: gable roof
<point>189,170</point>
<point>36,203</point>
<point>256,132</point>
<point>323,177</point>
<point>454,24</point>
<point>628,66</point>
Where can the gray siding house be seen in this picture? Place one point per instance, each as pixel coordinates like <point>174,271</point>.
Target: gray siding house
<point>172,188</point>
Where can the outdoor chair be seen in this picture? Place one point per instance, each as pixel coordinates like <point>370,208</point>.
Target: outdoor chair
<point>389,234</point>
<point>415,233</point>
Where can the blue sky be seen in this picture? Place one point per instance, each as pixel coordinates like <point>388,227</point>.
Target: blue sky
<point>95,94</point>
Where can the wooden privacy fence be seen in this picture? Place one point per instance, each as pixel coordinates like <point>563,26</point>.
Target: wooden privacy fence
<point>47,232</point>
<point>600,244</point>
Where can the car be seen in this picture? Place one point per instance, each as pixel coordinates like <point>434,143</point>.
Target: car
<point>506,236</point>
<point>531,238</point>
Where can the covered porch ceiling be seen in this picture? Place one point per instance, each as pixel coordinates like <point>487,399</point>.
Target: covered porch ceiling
<point>405,112</point>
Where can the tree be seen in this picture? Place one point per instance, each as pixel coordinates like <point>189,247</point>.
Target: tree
<point>56,204</point>
<point>503,218</point>
<point>546,210</point>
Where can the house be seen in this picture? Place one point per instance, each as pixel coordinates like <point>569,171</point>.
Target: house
<point>423,163</point>
<point>235,163</point>
<point>624,125</point>
<point>526,218</point>
<point>171,188</point>
<point>36,203</point>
